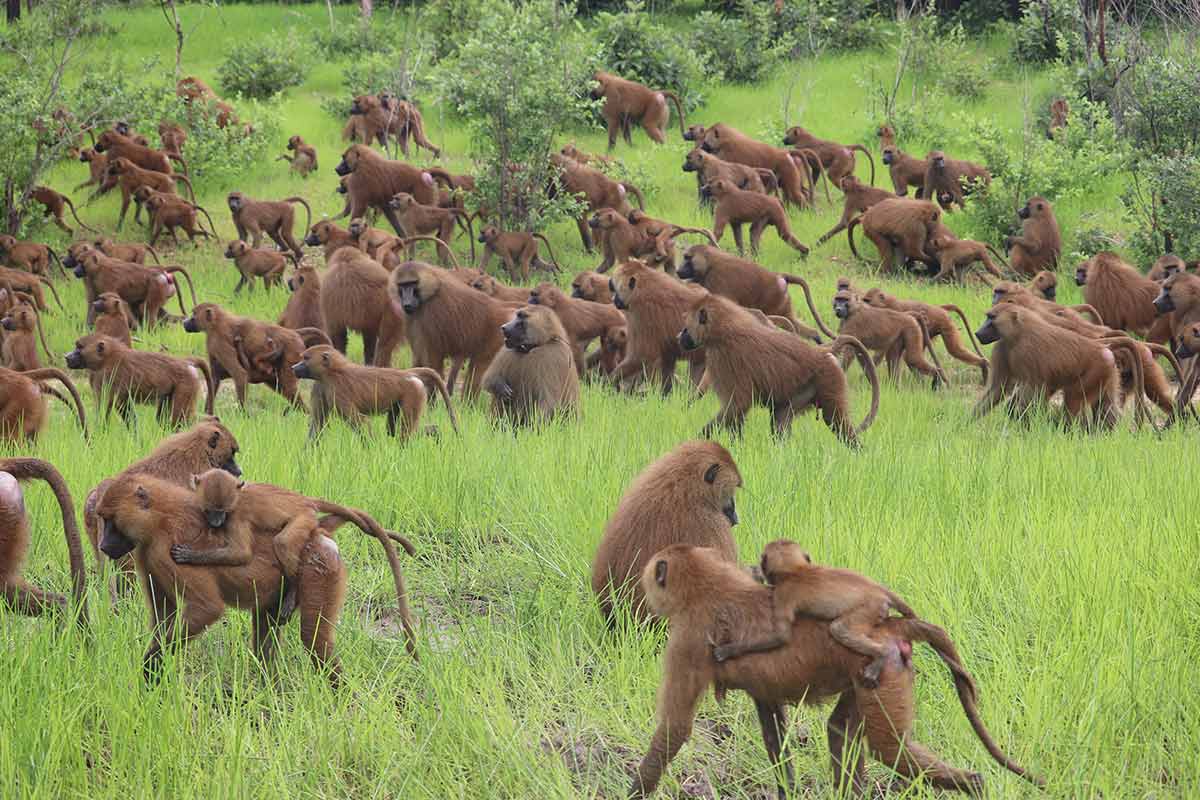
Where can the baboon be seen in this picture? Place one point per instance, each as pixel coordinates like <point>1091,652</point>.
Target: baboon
<point>303,309</point>
<point>1167,265</point>
<point>493,288</point>
<point>582,320</point>
<point>418,219</point>
<point>887,136</point>
<point>377,180</point>
<point>1034,359</point>
<point>257,263</point>
<point>354,298</point>
<point>134,252</point>
<point>1007,291</point>
<point>329,236</point>
<point>836,159</point>
<point>587,159</point>
<point>1178,301</point>
<point>1123,296</point>
<point>894,334</point>
<point>710,601</point>
<point>53,203</point>
<point>900,225</point>
<point>655,305</point>
<point>31,284</point>
<point>31,257</point>
<point>373,117</point>
<point>858,198</point>
<point>97,168</point>
<point>694,133</point>
<point>687,496</point>
<point>851,603</point>
<point>955,255</point>
<point>172,136</point>
<point>906,171</point>
<point>1040,243</point>
<point>137,376</point>
<point>355,392</point>
<point>709,167</point>
<point>619,239</point>
<point>517,249</point>
<point>191,88</point>
<point>736,207</point>
<point>168,212</point>
<point>19,349</point>
<point>591,285</point>
<point>949,176</point>
<point>303,159</point>
<point>627,103</point>
<point>1045,283</point>
<point>731,144</point>
<point>1059,109</point>
<point>113,318</point>
<point>130,177</point>
<point>448,319</point>
<point>275,218</point>
<point>937,323</point>
<point>750,285</point>
<point>533,379</point>
<point>596,190</point>
<point>749,363</point>
<point>24,408</point>
<point>115,146</point>
<point>18,594</point>
<point>367,239</point>
<point>145,289</point>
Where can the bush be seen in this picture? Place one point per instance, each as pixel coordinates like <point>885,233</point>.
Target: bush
<point>1162,226</point>
<point>955,68</point>
<point>634,47</point>
<point>1048,30</point>
<point>449,22</point>
<point>739,49</point>
<point>393,71</point>
<point>263,67</point>
<point>815,26</point>
<point>1088,238</point>
<point>352,40</point>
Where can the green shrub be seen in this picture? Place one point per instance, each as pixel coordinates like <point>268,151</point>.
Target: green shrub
<point>634,47</point>
<point>815,26</point>
<point>449,22</point>
<point>1165,226</point>
<point>263,67</point>
<point>1048,30</point>
<point>739,49</point>
<point>954,67</point>
<point>353,40</point>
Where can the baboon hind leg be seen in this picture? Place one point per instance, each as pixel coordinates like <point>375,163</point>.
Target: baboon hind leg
<point>31,601</point>
<point>319,597</point>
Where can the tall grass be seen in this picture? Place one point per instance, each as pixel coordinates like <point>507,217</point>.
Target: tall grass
<point>1064,565</point>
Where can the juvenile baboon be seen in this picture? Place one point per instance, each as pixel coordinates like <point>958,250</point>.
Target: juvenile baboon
<point>1045,284</point>
<point>710,601</point>
<point>687,496</point>
<point>953,178</point>
<point>709,168</point>
<point>1007,291</point>
<point>582,320</point>
<point>595,190</point>
<point>113,318</point>
<point>736,207</point>
<point>24,408</point>
<point>591,285</point>
<point>893,334</point>
<point>257,263</point>
<point>858,198</point>
<point>1040,243</point>
<point>97,167</point>
<point>354,298</point>
<point>355,392</point>
<point>53,203</point>
<point>419,219</point>
<point>495,289</point>
<point>368,239</point>
<point>134,252</point>
<point>937,323</point>
<point>304,156</point>
<point>900,225</point>
<point>853,604</point>
<point>28,256</point>
<point>1167,265</point>
<point>906,171</point>
<point>115,146</point>
<point>655,305</point>
<point>749,285</point>
<point>329,236</point>
<point>145,289</point>
<point>619,239</point>
<point>377,180</point>
<point>172,136</point>
<point>1123,296</point>
<point>18,594</point>
<point>955,255</point>
<point>587,159</point>
<point>376,116</point>
<point>168,212</point>
<point>533,379</point>
<point>1059,110</point>
<point>887,136</point>
<point>275,218</point>
<point>130,177</point>
<point>303,309</point>
<point>836,159</point>
<point>749,363</point>
<point>627,103</point>
<point>22,330</point>
<point>517,249</point>
<point>731,144</point>
<point>137,376</point>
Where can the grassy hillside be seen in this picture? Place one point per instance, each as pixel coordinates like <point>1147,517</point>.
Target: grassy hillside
<point>1064,565</point>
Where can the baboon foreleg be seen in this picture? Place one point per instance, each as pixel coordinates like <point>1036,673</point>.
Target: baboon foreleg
<point>737,237</point>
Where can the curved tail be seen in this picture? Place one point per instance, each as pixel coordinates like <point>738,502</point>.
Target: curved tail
<point>211,394</point>
<point>53,291</point>
<point>868,367</point>
<point>550,250</point>
<point>188,184</point>
<point>925,337</point>
<point>1084,308</point>
<point>427,374</point>
<point>404,242</point>
<point>953,309</point>
<point>307,210</point>
<point>676,230</point>
<point>211,226</point>
<point>678,108</point>
<point>803,284</point>
<point>78,221</point>
<point>870,158</point>
<point>629,187</point>
<point>1141,413</point>
<point>191,286</point>
<point>154,253</point>
<point>37,321</point>
<point>179,160</point>
<point>850,226</point>
<point>57,374</point>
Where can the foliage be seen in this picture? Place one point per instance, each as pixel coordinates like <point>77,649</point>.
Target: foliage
<point>520,80</point>
<point>1088,238</point>
<point>819,25</point>
<point>740,49</point>
<point>635,47</point>
<point>353,40</point>
<point>1048,30</point>
<point>263,67</point>
<point>1157,104</point>
<point>955,67</point>
<point>449,22</point>
<point>977,16</point>
<point>1165,225</point>
<point>395,71</point>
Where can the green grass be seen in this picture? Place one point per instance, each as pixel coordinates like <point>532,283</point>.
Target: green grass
<point>1064,565</point>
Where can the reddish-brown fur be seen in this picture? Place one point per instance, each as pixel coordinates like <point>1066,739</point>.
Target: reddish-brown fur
<point>130,177</point>
<point>937,323</point>
<point>113,318</point>
<point>256,263</point>
<point>1123,296</point>
<point>952,178</point>
<point>627,103</point>
<point>275,218</point>
<point>377,180</point>
<point>303,309</point>
<point>905,170</point>
<point>135,252</point>
<point>890,333</point>
<point>655,305</point>
<point>145,289</point>
<point>590,285</point>
<point>596,190</point>
<point>955,255</point>
<point>899,225</point>
<point>582,320</point>
<point>27,256</point>
<point>354,297</point>
<point>731,144</point>
<point>736,207</point>
<point>1040,244</point>
<point>836,159</point>
<point>533,378</point>
<point>22,330</point>
<point>517,249</point>
<point>304,156</point>
<point>24,408</point>
<point>53,203</point>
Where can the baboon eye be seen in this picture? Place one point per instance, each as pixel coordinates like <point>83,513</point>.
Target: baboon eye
<point>213,441</point>
<point>710,474</point>
<point>632,282</point>
<point>143,497</point>
<point>660,573</point>
<point>325,357</point>
<point>100,347</point>
<point>703,317</point>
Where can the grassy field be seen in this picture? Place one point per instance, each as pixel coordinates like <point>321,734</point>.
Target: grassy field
<point>1064,565</point>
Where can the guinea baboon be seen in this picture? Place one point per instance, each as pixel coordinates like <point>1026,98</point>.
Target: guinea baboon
<point>853,604</point>
<point>22,330</point>
<point>619,239</point>
<point>952,177</point>
<point>587,159</point>
<point>627,103</point>
<point>709,167</point>
<point>145,289</point>
<point>736,207</point>
<point>97,168</point>
<point>376,116</point>
<point>172,136</point>
<point>303,309</point>
<point>304,156</point>
<point>517,249</point>
<point>354,298</point>
<point>655,305</point>
<point>893,334</point>
<point>275,218</point>
<point>1007,291</point>
<point>533,379</point>
<point>898,224</point>
<point>493,288</point>
<point>329,236</point>
<point>137,376</point>
<point>906,171</point>
<point>368,239</point>
<point>113,318</point>
<point>591,285</point>
<point>1123,296</point>
<point>134,252</point>
<point>377,180</point>
<point>955,255</point>
<point>31,257</point>
<point>836,159</point>
<point>687,496</point>
<point>887,136</point>
<point>595,190</point>
<point>1045,283</point>
<point>418,219</point>
<point>858,198</point>
<point>53,203</point>
<point>582,320</point>
<point>130,177</point>
<point>731,144</point>
<point>18,594</point>
<point>115,146</point>
<point>1059,110</point>
<point>31,284</point>
<point>257,263</point>
<point>1040,243</point>
<point>168,212</point>
<point>24,408</point>
<point>709,601</point>
<point>937,323</point>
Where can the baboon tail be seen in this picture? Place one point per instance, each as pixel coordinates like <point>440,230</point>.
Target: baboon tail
<point>37,321</point>
<point>953,309</point>
<point>999,257</point>
<point>47,373</point>
<point>211,226</point>
<point>54,255</point>
<point>307,209</point>
<point>705,232</point>
<point>78,221</point>
<point>870,159</point>
<point>427,374</point>
<point>868,367</point>
<point>191,286</point>
<point>154,253</point>
<point>678,108</point>
<point>179,160</point>
<point>928,342</point>
<point>1139,378</point>
<point>465,219</point>
<point>188,184</point>
<point>803,284</point>
<point>35,468</point>
<point>850,226</point>
<point>210,387</point>
<point>550,250</point>
<point>1169,355</point>
<point>441,176</point>
<point>629,187</point>
<point>423,238</point>
<point>1085,308</point>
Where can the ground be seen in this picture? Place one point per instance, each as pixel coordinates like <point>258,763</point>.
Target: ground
<point>1064,565</point>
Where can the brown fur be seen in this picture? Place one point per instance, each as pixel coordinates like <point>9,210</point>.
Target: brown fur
<point>890,333</point>
<point>113,318</point>
<point>938,323</point>
<point>533,379</point>
<point>858,198</point>
<point>24,408</point>
<point>687,496</point>
<point>145,289</point>
<point>329,236</point>
<point>655,305</point>
<point>377,116</point>
<point>898,225</point>
<point>905,171</point>
<point>955,255</point>
<point>595,190</point>
<point>27,256</point>
<point>354,297</point>
<point>377,180</point>
<point>627,103</point>
<point>53,203</point>
<point>367,239</point>
<point>887,136</point>
<point>115,146</point>
<point>1044,284</point>
<point>709,168</point>
<point>303,309</point>
<point>587,159</point>
<point>517,249</point>
<point>124,173</point>
<point>97,167</point>
<point>1040,244</point>
<point>256,263</point>
<point>1059,111</point>
<point>134,252</point>
<point>172,136</point>
<point>731,144</point>
<point>30,284</point>
<point>275,218</point>
<point>168,212</point>
<point>497,290</point>
<point>582,320</point>
<point>836,159</point>
<point>953,178</point>
<point>620,240</point>
<point>590,285</point>
<point>1123,296</point>
<point>736,207</point>
<point>22,331</point>
<point>418,219</point>
<point>304,156</point>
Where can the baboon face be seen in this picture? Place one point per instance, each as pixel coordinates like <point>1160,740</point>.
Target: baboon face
<point>414,286</point>
<point>615,339</point>
<point>941,242</point>
<point>695,264</point>
<point>711,143</point>
<point>488,234</point>
<point>1165,302</point>
<point>1000,322</point>
<point>1004,290</point>
<point>587,285</point>
<point>220,446</point>
<point>204,318</point>
<point>294,142</point>
<point>87,154</point>
<point>124,510</point>
<point>1046,283</point>
<point>314,362</point>
<point>694,160</point>
<point>721,480</point>
<point>635,216</point>
<point>546,294</point>
<point>793,135</point>
<point>362,104</point>
<point>782,555</point>
<point>1189,342</point>
<point>298,278</point>
<point>624,283</point>
<point>401,201</point>
<point>843,304</point>
<point>319,234</point>
<point>236,249</point>
<point>937,158</point>
<point>90,352</point>
<point>696,326</point>
<point>218,492</point>
<point>350,160</point>
<point>357,226</point>
<point>106,140</point>
<point>7,243</point>
<point>74,254</point>
<point>142,194</point>
<point>604,220</point>
<point>889,155</point>
<point>598,91</point>
<point>520,333</point>
<point>108,303</point>
<point>874,297</point>
<point>717,189</point>
<point>694,133</point>
<point>1035,206</point>
<point>849,183</point>
<point>19,318</point>
<point>342,188</point>
<point>236,200</point>
<point>1081,273</point>
<point>89,261</point>
<point>486,284</point>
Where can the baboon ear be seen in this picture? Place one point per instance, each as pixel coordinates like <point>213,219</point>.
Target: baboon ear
<point>660,573</point>
<point>710,474</point>
<point>214,440</point>
<point>143,497</point>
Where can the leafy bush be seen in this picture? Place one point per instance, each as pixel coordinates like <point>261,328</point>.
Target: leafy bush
<point>954,66</point>
<point>449,22</point>
<point>363,37</point>
<point>394,71</point>
<point>1165,226</point>
<point>1157,104</point>
<point>263,67</point>
<point>1088,238</point>
<point>815,26</point>
<point>739,49</point>
<point>634,47</point>
<point>1048,30</point>
<point>520,80</point>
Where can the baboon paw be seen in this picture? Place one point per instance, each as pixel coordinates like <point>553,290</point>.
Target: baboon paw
<point>182,554</point>
<point>720,654</point>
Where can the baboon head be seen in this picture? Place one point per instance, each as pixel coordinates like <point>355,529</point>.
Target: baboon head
<point>1006,290</point>
<point>876,298</point>
<point>1034,207</point>
<point>782,555</point>
<point>1166,266</point>
<point>572,152</point>
<point>107,140</point>
<point>412,285</point>
<point>317,361</point>
<point>236,249</point>
<point>1094,266</point>
<point>601,88</point>
<point>614,340</point>
<point>605,219</point>
<point>937,159</point>
<point>119,166</point>
<point>357,226</point>
<point>7,243</point>
<point>891,154</point>
<point>711,142</point>
<point>1045,283</point>
<point>236,200</point>
<point>636,216</point>
<point>530,328</point>
<point>850,183</point>
<point>1189,342</point>
<point>844,304</point>
<point>294,142</point>
<point>843,285</point>
<point>363,103</point>
<point>1179,290</point>
<point>695,263</point>
<point>589,285</point>
<point>342,187</point>
<point>91,352</point>
<point>941,241</point>
<point>698,324</point>
<point>547,294</point>
<point>129,510</point>
<point>694,160</point>
<point>21,317</point>
<point>205,317</point>
<point>624,282</point>
<point>75,252</point>
<point>142,194</point>
<point>211,439</point>
<point>485,283</point>
<point>218,493</point>
<point>717,188</point>
<point>320,233</point>
<point>88,154</point>
<point>351,158</point>
<point>694,133</point>
<point>1001,321</point>
<point>300,277</point>
<point>111,303</point>
<point>86,261</point>
<point>489,234</point>
<point>401,201</point>
<point>794,135</point>
<point>885,132</point>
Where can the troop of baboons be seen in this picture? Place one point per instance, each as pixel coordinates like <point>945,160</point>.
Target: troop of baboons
<point>202,540</point>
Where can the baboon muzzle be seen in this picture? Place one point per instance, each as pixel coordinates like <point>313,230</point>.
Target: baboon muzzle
<point>232,467</point>
<point>291,283</point>
<point>619,303</point>
<point>215,518</point>
<point>190,325</point>
<point>113,543</point>
<point>301,371</point>
<point>1080,278</point>
<point>98,306</point>
<point>1024,213</point>
<point>1163,304</point>
<point>311,240</point>
<point>987,333</point>
<point>841,309</point>
<point>576,292</point>
<point>730,512</point>
<point>342,168</point>
<point>79,271</point>
<point>686,271</point>
<point>74,360</point>
<point>8,323</point>
<point>686,342</point>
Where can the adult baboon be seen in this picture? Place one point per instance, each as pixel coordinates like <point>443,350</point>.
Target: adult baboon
<point>627,103</point>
